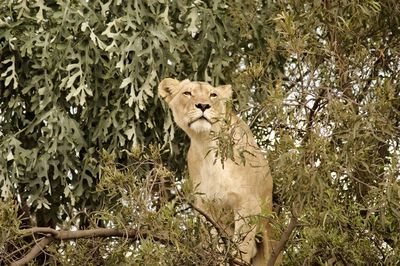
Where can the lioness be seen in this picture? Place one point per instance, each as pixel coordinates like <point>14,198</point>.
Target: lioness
<point>244,186</point>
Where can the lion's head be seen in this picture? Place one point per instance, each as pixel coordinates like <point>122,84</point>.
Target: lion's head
<point>196,106</point>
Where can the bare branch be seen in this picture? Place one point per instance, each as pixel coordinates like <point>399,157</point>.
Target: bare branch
<point>35,251</point>
<point>53,234</point>
<point>98,232</point>
<point>282,242</point>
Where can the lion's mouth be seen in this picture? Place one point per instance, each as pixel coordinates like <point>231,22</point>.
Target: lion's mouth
<point>201,118</point>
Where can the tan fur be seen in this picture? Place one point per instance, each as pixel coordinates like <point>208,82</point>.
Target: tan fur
<point>244,187</point>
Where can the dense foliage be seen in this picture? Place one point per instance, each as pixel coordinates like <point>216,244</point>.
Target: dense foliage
<point>86,143</point>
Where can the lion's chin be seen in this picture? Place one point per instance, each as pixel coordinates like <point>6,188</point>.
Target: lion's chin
<point>201,126</point>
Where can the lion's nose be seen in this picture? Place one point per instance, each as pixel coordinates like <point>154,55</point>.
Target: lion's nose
<point>202,106</point>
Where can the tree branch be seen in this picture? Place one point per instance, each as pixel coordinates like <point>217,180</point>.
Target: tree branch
<point>282,242</point>
<point>313,111</point>
<point>68,235</point>
<point>201,70</point>
<point>221,233</point>
<point>53,234</point>
<point>220,230</point>
<point>35,251</point>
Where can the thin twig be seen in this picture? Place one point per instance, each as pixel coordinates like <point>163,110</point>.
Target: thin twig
<point>313,111</point>
<point>221,232</point>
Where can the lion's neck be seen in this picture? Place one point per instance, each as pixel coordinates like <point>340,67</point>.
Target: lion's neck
<point>202,143</point>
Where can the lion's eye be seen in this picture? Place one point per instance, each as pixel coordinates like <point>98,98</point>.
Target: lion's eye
<point>213,95</point>
<point>187,93</point>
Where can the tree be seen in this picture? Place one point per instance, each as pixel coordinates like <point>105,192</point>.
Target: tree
<point>86,144</point>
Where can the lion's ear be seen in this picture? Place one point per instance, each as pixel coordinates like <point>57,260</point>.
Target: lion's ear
<point>167,88</point>
<point>226,91</point>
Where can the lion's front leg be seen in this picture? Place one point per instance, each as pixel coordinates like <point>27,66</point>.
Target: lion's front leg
<point>246,231</point>
<point>222,229</point>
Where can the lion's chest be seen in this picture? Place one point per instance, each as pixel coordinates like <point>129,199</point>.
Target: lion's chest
<point>214,181</point>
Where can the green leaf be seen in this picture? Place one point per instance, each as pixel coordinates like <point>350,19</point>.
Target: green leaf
<point>125,82</point>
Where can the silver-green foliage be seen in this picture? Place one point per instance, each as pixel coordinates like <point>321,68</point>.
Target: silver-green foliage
<point>80,76</point>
